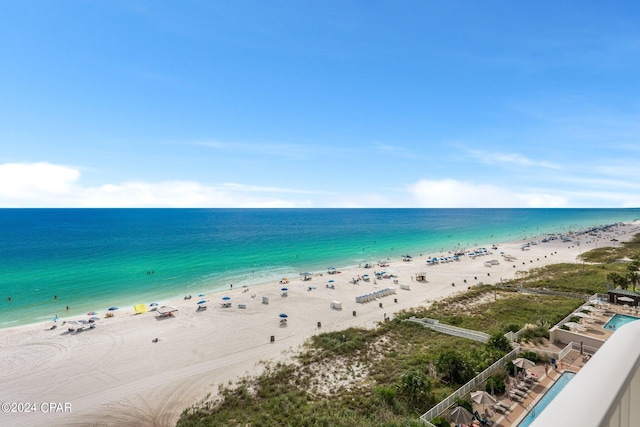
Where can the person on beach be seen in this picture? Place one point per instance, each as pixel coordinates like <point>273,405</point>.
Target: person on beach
<point>67,308</point>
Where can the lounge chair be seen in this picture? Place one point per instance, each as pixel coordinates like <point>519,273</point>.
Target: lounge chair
<point>506,406</point>
<point>483,420</point>
<point>520,393</point>
<point>515,396</point>
<point>498,408</point>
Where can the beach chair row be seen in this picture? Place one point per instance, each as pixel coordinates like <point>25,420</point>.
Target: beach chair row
<point>374,295</point>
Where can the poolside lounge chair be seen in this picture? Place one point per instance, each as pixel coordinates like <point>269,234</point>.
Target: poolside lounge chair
<point>503,405</point>
<point>520,393</point>
<point>483,420</point>
<point>499,408</point>
<point>515,396</point>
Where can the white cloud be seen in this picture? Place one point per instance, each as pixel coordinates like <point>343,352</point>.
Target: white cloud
<point>511,159</point>
<point>30,181</point>
<point>450,193</point>
<point>49,185</point>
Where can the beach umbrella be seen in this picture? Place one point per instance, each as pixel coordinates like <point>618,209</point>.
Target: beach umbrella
<point>91,313</point>
<point>226,298</point>
<point>588,308</point>
<point>202,302</point>
<point>625,299</point>
<point>201,295</point>
<point>523,363</point>
<point>284,289</point>
<point>153,304</point>
<point>283,315</point>
<point>581,314</point>
<point>94,318</point>
<point>483,398</point>
<point>113,308</point>
<point>461,416</point>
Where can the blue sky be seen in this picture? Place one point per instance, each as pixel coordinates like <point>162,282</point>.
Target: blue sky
<point>319,104</point>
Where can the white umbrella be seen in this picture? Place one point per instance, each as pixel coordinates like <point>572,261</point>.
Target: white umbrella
<point>625,299</point>
<point>483,398</point>
<point>583,315</point>
<point>523,363</point>
<point>588,308</point>
<point>574,325</point>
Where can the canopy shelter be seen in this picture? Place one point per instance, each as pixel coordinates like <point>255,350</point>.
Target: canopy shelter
<point>140,308</point>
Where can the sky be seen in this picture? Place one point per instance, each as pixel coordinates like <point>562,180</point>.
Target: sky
<point>317,104</point>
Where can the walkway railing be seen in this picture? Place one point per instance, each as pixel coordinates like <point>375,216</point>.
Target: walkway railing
<point>451,330</point>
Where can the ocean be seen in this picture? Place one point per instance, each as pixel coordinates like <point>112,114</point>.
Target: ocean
<point>91,259</point>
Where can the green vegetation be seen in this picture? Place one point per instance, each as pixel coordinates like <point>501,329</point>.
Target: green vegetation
<point>392,374</point>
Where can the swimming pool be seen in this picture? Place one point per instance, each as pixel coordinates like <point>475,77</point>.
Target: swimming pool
<point>618,320</point>
<point>547,398</point>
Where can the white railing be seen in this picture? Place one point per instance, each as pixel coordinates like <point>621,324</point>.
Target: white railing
<point>451,330</point>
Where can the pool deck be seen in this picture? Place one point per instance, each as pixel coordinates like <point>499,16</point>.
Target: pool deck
<point>518,410</point>
<point>574,361</point>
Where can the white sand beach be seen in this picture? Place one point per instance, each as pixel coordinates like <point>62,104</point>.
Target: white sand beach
<point>116,375</point>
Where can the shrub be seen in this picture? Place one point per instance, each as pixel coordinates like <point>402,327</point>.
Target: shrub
<point>495,384</point>
<point>386,394</point>
<point>441,422</point>
<point>530,355</point>
<point>499,342</point>
<point>465,403</point>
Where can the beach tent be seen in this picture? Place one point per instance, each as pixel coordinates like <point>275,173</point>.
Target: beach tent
<point>140,308</point>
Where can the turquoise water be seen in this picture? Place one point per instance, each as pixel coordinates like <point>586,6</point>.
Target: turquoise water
<point>90,259</point>
<point>618,320</point>
<point>547,398</point>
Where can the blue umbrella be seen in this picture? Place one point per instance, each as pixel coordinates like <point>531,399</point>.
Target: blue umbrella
<point>113,308</point>
<point>153,304</point>
<point>202,302</point>
<point>226,298</point>
<point>283,315</point>
<point>201,295</point>
<point>284,289</point>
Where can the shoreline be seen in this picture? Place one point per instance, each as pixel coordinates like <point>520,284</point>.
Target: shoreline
<point>116,374</point>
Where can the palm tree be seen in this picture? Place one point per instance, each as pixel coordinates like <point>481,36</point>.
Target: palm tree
<point>618,280</point>
<point>633,278</point>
